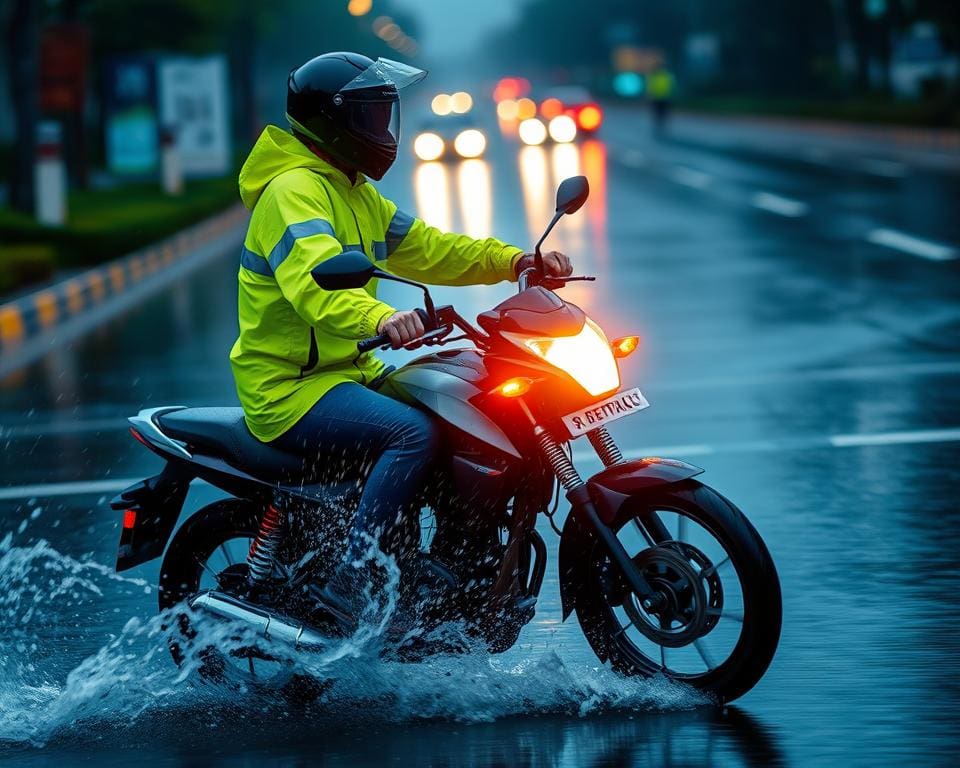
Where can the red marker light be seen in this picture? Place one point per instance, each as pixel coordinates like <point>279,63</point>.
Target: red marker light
<point>129,519</point>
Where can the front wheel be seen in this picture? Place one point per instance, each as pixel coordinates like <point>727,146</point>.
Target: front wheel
<point>714,622</point>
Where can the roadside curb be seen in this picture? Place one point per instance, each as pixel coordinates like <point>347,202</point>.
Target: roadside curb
<point>26,319</point>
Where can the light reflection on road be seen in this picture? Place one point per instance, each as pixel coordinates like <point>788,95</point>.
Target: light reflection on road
<point>476,198</point>
<point>432,189</point>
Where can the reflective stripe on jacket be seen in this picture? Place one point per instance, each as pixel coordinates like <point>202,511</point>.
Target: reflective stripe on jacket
<point>297,341</point>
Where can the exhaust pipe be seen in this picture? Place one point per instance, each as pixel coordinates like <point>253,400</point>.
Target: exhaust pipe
<point>267,624</point>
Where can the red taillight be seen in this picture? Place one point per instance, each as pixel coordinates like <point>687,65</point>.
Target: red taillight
<point>129,518</point>
<point>551,107</point>
<point>138,437</point>
<point>589,117</point>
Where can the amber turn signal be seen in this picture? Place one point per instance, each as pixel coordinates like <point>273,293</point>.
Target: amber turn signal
<point>625,346</point>
<point>514,387</point>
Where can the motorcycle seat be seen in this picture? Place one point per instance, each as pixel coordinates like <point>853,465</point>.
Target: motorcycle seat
<point>222,432</point>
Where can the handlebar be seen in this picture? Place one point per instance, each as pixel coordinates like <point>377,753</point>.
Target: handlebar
<point>367,345</point>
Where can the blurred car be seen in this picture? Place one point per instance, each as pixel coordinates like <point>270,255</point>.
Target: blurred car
<point>575,102</point>
<point>448,137</point>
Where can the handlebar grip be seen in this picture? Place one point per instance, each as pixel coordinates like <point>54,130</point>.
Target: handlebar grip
<point>378,341</point>
<point>373,342</point>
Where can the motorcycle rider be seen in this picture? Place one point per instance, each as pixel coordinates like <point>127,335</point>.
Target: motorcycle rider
<point>302,384</point>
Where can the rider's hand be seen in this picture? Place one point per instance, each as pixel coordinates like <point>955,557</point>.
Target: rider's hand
<point>402,327</point>
<point>555,264</point>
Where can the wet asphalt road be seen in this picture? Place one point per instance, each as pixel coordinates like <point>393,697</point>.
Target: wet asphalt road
<point>792,346</point>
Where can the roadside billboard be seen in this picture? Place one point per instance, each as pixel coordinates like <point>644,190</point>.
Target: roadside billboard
<point>193,104</point>
<point>131,116</point>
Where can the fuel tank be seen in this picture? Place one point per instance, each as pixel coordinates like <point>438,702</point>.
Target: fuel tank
<point>445,383</point>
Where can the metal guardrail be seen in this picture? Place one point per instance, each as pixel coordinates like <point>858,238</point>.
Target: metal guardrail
<point>43,310</point>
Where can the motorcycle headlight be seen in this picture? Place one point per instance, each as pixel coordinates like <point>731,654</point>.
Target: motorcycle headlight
<point>586,357</point>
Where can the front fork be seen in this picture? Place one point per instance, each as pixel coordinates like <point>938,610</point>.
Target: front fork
<point>579,497</point>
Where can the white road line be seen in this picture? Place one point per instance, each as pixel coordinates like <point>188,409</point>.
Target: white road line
<point>83,487</point>
<point>915,246</point>
<point>856,373</point>
<point>908,437</point>
<point>888,169</point>
<point>690,177</point>
<point>782,206</point>
<point>896,438</point>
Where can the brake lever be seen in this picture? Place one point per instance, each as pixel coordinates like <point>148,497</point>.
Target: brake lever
<point>430,338</point>
<point>559,282</point>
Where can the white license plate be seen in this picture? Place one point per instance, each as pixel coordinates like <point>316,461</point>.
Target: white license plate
<point>613,408</point>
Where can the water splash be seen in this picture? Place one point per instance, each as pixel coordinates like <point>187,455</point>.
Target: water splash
<point>50,694</point>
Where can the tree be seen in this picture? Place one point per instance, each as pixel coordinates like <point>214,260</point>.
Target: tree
<point>22,37</point>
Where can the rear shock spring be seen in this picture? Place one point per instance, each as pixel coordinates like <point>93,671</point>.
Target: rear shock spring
<point>260,558</point>
<point>558,460</point>
<point>603,443</point>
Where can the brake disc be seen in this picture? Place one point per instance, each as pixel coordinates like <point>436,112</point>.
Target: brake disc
<point>677,615</point>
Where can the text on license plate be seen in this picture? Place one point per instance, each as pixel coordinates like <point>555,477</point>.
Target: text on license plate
<point>613,408</point>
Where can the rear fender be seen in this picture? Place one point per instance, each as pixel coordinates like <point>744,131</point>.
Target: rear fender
<point>609,490</point>
<point>150,511</point>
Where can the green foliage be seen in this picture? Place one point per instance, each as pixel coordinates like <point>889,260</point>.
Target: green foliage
<point>22,265</point>
<point>105,224</point>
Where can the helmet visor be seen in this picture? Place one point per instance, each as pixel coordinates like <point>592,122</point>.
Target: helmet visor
<point>385,72</point>
<point>375,121</point>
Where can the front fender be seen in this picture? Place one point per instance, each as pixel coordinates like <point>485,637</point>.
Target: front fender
<point>609,490</point>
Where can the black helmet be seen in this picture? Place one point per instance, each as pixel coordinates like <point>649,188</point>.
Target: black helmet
<point>350,106</point>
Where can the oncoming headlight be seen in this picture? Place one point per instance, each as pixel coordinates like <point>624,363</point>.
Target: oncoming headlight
<point>586,357</point>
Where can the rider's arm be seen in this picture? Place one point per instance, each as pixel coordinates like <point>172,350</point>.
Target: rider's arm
<point>417,251</point>
<point>301,236</point>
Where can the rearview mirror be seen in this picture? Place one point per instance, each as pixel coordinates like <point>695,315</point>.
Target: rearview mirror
<point>350,269</point>
<point>572,194</point>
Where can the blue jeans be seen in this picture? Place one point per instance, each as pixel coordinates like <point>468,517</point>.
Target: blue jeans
<point>352,426</point>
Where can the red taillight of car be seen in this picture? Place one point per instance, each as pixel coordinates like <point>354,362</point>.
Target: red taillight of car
<point>589,117</point>
<point>129,518</point>
<point>551,107</point>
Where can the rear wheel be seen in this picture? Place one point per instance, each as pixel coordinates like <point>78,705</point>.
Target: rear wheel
<point>209,552</point>
<point>715,621</point>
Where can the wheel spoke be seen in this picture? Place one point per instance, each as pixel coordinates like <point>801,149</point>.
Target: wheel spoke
<point>203,564</point>
<point>704,652</point>
<point>733,615</point>
<point>681,528</point>
<point>226,553</point>
<point>622,630</point>
<point>643,532</point>
<point>715,567</point>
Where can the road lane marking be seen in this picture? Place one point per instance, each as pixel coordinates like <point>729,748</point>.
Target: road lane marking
<point>690,450</point>
<point>888,169</point>
<point>782,206</point>
<point>856,373</point>
<point>896,438</point>
<point>690,177</point>
<point>915,246</point>
<point>82,487</point>
<point>50,428</point>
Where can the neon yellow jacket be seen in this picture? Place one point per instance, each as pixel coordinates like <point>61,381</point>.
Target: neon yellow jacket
<point>297,341</point>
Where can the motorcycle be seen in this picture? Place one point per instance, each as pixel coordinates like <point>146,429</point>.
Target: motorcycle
<point>665,575</point>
